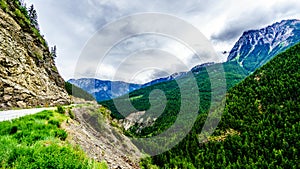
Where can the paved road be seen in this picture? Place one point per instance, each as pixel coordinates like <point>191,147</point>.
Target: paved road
<point>13,114</point>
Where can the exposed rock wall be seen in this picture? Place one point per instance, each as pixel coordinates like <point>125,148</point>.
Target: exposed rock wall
<point>28,75</point>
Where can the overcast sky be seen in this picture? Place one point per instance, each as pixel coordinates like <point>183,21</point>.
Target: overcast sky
<point>70,24</point>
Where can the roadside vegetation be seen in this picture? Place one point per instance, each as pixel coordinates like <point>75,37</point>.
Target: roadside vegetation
<point>37,141</point>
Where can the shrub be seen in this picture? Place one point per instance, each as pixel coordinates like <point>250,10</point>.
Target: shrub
<point>71,114</point>
<point>3,5</point>
<point>18,13</point>
<point>61,134</point>
<point>44,115</point>
<point>60,110</point>
<point>54,122</point>
<point>13,130</point>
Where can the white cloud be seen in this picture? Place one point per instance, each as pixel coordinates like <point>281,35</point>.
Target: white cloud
<point>69,24</point>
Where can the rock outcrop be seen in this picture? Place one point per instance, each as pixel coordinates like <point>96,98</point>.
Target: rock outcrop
<point>28,75</point>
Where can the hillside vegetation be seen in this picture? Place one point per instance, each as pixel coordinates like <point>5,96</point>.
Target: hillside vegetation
<point>260,126</point>
<point>140,98</point>
<point>37,141</point>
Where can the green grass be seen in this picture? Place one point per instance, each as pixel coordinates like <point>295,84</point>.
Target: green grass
<point>36,141</point>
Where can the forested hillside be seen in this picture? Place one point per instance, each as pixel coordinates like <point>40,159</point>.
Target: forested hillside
<point>140,98</point>
<point>260,127</point>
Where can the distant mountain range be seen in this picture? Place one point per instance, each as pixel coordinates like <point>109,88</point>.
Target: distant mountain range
<point>102,89</point>
<point>251,51</point>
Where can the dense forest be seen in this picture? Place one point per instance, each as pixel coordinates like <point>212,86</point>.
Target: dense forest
<point>230,71</point>
<point>259,128</point>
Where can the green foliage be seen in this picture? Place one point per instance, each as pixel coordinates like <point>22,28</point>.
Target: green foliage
<point>78,92</point>
<point>61,134</point>
<point>13,130</point>
<point>233,74</point>
<point>36,142</point>
<point>54,122</point>
<point>264,109</point>
<point>71,114</point>
<point>33,17</point>
<point>3,5</point>
<point>60,109</point>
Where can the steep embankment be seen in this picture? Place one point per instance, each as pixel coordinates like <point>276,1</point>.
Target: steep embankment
<point>28,75</point>
<point>92,129</point>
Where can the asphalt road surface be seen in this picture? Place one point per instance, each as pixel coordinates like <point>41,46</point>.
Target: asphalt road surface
<point>14,114</point>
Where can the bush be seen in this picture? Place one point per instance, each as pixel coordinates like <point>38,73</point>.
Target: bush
<point>45,115</point>
<point>54,122</point>
<point>13,130</point>
<point>60,110</point>
<point>18,13</point>
<point>71,114</point>
<point>3,5</point>
<point>61,134</point>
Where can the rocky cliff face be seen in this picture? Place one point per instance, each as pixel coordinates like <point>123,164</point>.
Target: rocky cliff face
<point>28,76</point>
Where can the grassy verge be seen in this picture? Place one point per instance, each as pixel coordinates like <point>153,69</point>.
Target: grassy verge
<point>36,141</point>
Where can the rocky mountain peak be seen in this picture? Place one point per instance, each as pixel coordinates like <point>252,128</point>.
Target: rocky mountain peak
<point>256,47</point>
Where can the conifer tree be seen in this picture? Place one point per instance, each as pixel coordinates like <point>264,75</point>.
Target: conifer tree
<point>33,17</point>
<point>53,52</point>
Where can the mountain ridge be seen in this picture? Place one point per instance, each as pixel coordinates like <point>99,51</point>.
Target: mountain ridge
<point>255,47</point>
<point>252,48</point>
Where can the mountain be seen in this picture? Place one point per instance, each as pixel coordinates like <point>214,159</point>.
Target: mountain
<point>253,49</point>
<point>200,67</point>
<point>165,79</point>
<point>104,89</point>
<point>256,47</point>
<point>140,98</point>
<point>188,153</point>
<point>28,75</point>
<point>259,126</point>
